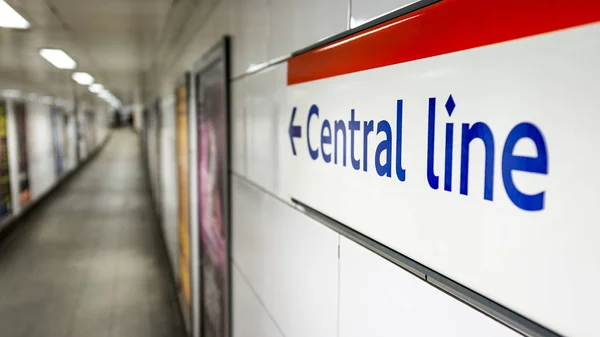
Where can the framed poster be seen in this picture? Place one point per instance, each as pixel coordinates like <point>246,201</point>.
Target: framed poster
<point>158,158</point>
<point>58,138</point>
<point>90,131</point>
<point>182,146</point>
<point>66,144</point>
<point>21,118</point>
<point>211,85</point>
<point>5,194</point>
<point>78,135</point>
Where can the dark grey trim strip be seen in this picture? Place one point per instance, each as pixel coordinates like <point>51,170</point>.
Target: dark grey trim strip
<point>262,67</point>
<point>486,306</point>
<point>386,17</point>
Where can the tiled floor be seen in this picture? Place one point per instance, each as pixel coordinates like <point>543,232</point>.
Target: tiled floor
<point>89,262</point>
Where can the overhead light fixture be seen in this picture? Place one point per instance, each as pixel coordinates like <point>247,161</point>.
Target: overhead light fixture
<point>58,58</point>
<point>96,88</point>
<point>109,98</point>
<point>83,78</point>
<point>104,94</point>
<point>11,93</point>
<point>9,18</point>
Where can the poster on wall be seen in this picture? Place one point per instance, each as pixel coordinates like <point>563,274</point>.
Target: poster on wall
<point>181,111</point>
<point>58,138</point>
<point>5,194</point>
<point>157,135</point>
<point>21,118</point>
<point>67,155</point>
<point>213,162</point>
<point>78,135</point>
<point>90,131</point>
<point>145,139</point>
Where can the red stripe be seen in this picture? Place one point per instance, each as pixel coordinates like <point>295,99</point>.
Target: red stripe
<point>445,27</point>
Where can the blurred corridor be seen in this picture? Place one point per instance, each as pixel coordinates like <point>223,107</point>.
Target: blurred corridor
<point>90,261</point>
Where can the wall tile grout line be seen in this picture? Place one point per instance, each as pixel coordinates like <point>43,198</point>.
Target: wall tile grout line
<point>265,66</point>
<point>257,297</point>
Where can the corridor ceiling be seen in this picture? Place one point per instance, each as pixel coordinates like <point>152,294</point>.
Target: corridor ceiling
<point>113,40</point>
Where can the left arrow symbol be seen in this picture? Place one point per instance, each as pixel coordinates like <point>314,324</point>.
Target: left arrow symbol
<point>294,131</point>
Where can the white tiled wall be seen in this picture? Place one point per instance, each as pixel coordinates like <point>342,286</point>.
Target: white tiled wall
<point>40,146</point>
<point>238,126</point>
<point>13,153</point>
<point>288,279</point>
<point>377,297</point>
<point>263,100</point>
<point>250,27</point>
<point>367,10</point>
<point>296,24</point>
<point>250,318</point>
<point>168,179</point>
<point>289,260</point>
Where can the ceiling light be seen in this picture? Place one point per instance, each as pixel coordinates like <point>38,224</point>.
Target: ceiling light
<point>104,94</point>
<point>83,78</point>
<point>96,88</point>
<point>58,58</point>
<point>11,93</point>
<point>9,18</point>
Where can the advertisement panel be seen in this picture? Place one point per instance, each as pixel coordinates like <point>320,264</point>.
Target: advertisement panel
<point>181,110</point>
<point>157,158</point>
<point>67,155</point>
<point>21,118</point>
<point>59,138</point>
<point>78,137</point>
<point>90,131</point>
<point>5,195</point>
<point>469,148</point>
<point>212,121</point>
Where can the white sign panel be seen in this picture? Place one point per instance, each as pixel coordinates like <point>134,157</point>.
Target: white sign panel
<point>479,162</point>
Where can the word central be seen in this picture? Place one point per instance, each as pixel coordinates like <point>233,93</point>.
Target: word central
<point>338,140</point>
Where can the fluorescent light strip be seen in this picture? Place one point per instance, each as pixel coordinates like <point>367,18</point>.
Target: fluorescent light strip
<point>83,78</point>
<point>104,94</point>
<point>58,58</point>
<point>9,18</point>
<point>96,88</point>
<point>109,98</point>
<point>11,93</point>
